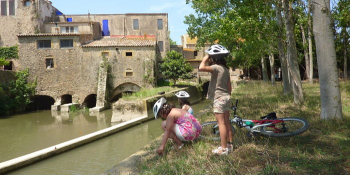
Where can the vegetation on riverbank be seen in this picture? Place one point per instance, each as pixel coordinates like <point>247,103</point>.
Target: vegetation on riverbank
<point>322,149</point>
<point>15,96</point>
<point>147,92</point>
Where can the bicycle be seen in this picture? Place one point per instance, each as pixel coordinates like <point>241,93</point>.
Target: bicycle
<point>269,125</point>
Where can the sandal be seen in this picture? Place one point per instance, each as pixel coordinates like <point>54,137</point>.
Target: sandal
<point>220,151</point>
<point>230,147</point>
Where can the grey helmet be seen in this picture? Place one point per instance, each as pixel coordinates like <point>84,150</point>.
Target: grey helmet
<point>157,106</point>
<point>182,94</point>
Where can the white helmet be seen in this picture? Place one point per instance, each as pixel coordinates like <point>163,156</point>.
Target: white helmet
<point>182,94</point>
<point>157,106</point>
<point>217,49</point>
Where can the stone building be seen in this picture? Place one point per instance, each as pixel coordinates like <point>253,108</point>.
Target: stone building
<point>87,59</point>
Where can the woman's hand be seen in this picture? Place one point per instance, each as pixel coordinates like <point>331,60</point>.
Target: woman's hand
<point>160,151</point>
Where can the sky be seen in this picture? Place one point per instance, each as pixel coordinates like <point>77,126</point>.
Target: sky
<point>176,9</point>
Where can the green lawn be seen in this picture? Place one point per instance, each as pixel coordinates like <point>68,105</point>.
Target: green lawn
<point>322,149</point>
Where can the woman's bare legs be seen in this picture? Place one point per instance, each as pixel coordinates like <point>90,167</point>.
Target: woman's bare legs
<point>228,127</point>
<point>220,117</point>
<point>172,134</point>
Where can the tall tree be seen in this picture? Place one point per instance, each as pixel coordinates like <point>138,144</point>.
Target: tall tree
<point>326,59</point>
<point>292,54</point>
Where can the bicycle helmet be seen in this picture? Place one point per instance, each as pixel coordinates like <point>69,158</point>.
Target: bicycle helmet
<point>217,51</point>
<point>182,94</point>
<point>157,106</point>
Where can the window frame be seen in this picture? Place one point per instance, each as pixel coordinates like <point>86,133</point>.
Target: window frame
<point>161,46</point>
<point>128,72</point>
<point>66,47</point>
<point>44,44</point>
<point>160,26</point>
<point>3,11</point>
<point>51,64</point>
<point>71,29</point>
<point>135,26</point>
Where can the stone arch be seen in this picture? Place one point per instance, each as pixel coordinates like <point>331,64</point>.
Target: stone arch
<point>41,102</point>
<point>90,101</point>
<point>124,88</point>
<point>65,99</point>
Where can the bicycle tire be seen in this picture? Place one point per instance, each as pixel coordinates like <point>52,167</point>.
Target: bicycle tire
<point>294,126</point>
<point>210,131</point>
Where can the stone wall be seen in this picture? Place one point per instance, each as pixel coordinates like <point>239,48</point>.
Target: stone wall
<point>6,76</point>
<point>128,110</point>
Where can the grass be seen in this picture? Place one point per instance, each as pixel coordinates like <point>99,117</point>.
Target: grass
<point>322,149</point>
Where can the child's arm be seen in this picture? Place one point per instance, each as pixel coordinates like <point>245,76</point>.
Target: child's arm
<point>167,132</point>
<point>203,67</point>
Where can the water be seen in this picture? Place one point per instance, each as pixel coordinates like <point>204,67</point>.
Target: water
<point>26,133</point>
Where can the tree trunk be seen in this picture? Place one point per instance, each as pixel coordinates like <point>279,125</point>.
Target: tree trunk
<point>272,68</point>
<point>285,75</point>
<point>310,47</point>
<point>264,69</point>
<point>292,59</point>
<point>306,53</point>
<point>326,60</point>
<point>345,40</point>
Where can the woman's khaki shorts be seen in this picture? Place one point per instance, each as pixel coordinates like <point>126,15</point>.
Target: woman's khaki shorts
<point>222,104</point>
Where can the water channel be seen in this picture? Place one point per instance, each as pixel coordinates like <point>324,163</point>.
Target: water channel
<point>26,133</point>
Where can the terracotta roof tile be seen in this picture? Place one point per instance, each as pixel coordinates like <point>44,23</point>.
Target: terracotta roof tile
<point>126,42</point>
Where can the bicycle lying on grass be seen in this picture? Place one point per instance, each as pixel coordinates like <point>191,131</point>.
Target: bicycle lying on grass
<point>269,125</point>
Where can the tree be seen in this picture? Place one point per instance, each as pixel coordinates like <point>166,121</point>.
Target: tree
<point>326,59</point>
<point>175,67</point>
<point>292,61</point>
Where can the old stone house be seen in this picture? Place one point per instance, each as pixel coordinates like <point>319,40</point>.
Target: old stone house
<point>87,59</point>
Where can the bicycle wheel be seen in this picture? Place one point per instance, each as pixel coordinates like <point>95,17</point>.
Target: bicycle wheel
<point>210,131</point>
<point>289,127</point>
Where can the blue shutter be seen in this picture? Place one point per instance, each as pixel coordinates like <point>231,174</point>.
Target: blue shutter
<point>69,20</point>
<point>105,28</point>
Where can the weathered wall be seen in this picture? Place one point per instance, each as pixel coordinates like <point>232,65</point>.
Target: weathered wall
<point>6,76</point>
<point>26,20</point>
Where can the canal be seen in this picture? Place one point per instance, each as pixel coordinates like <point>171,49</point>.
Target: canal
<point>26,133</point>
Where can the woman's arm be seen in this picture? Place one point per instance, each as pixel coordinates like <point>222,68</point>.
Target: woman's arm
<point>203,67</point>
<point>169,126</point>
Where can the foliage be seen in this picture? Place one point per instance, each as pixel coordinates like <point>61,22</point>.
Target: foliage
<point>310,153</point>
<point>175,67</point>
<point>3,62</point>
<point>9,52</point>
<point>16,96</point>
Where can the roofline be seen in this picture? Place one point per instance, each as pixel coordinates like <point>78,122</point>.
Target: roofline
<point>51,34</point>
<point>116,14</point>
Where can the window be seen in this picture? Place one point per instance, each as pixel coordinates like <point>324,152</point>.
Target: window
<point>9,66</point>
<point>3,8</point>
<point>49,63</point>
<point>161,46</point>
<point>128,54</point>
<point>44,44</point>
<point>195,53</point>
<point>136,24</point>
<point>129,72</point>
<point>12,7</point>
<point>27,3</point>
<point>66,43</point>
<point>68,29</point>
<point>105,54</point>
<point>160,24</point>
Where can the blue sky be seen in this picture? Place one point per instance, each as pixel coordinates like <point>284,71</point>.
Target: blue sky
<point>176,9</point>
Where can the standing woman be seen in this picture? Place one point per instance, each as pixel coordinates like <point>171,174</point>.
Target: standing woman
<point>184,103</point>
<point>220,92</point>
<point>178,124</point>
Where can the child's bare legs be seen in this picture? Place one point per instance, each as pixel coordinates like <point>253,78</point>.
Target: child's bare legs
<point>220,117</point>
<point>228,127</point>
<point>172,134</point>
